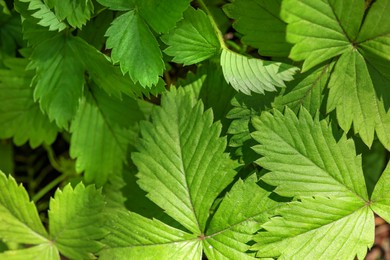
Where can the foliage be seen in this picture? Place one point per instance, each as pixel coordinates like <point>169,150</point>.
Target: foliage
<point>220,129</point>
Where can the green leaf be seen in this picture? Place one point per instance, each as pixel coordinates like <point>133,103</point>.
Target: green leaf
<point>248,75</point>
<point>316,228</point>
<point>21,117</point>
<point>306,162</point>
<point>304,157</point>
<point>19,220</point>
<point>46,17</point>
<point>43,252</point>
<point>193,39</point>
<point>59,77</point>
<point>7,163</point>
<point>135,48</point>
<point>118,5</point>
<point>306,90</point>
<point>353,96</point>
<point>76,221</point>
<point>77,13</point>
<point>114,124</point>
<point>188,156</point>
<point>321,29</point>
<point>162,16</point>
<point>380,200</point>
<point>132,235</point>
<point>261,26</point>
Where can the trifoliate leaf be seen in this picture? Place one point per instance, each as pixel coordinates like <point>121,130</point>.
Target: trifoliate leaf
<point>353,96</point>
<point>162,16</point>
<point>113,123</point>
<point>46,17</point>
<point>174,170</point>
<point>77,13</point>
<point>305,161</point>
<point>304,157</point>
<point>193,39</point>
<point>248,75</point>
<point>21,117</point>
<point>261,26</point>
<point>320,29</point>
<point>19,220</point>
<point>135,48</point>
<point>59,77</point>
<point>118,5</point>
<point>76,221</point>
<point>306,90</point>
<point>380,200</point>
<point>188,155</point>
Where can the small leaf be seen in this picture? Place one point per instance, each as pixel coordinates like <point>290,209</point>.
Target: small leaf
<point>261,26</point>
<point>118,5</point>
<point>254,75</point>
<point>77,13</point>
<point>19,220</point>
<point>193,39</point>
<point>380,200</point>
<point>46,17</point>
<point>76,221</point>
<point>135,48</point>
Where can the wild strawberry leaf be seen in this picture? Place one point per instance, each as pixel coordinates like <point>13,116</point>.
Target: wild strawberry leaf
<point>76,13</point>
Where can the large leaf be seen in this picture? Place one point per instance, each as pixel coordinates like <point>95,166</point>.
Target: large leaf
<point>193,39</point>
<point>76,221</point>
<point>261,26</point>
<point>21,118</point>
<point>77,13</point>
<point>103,129</point>
<point>19,220</point>
<point>45,16</point>
<point>135,48</point>
<point>248,75</point>
<point>180,156</point>
<point>321,29</point>
<point>305,161</point>
<point>59,77</point>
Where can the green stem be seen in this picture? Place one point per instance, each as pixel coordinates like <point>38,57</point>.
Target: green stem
<point>213,23</point>
<point>52,158</point>
<point>49,187</point>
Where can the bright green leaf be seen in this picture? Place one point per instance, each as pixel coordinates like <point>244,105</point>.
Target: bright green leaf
<point>19,220</point>
<point>187,156</point>
<point>320,29</point>
<point>304,158</point>
<point>353,96</point>
<point>21,117</point>
<point>380,200</point>
<point>76,221</point>
<point>261,26</point>
<point>248,75</point>
<point>135,48</point>
<point>45,251</point>
<point>193,39</point>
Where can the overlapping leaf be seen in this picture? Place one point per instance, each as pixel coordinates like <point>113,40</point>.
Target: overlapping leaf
<point>102,130</point>
<point>261,26</point>
<point>136,48</point>
<point>193,39</point>
<point>179,158</point>
<point>76,221</point>
<point>305,161</point>
<point>77,13</point>
<point>254,75</point>
<point>45,16</point>
<point>21,118</point>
